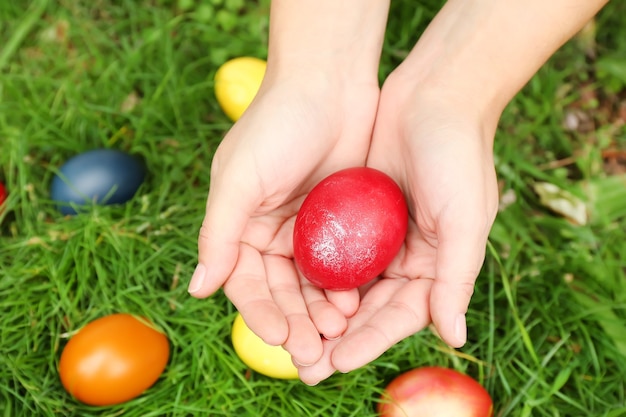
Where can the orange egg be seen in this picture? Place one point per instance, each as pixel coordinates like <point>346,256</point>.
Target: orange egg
<point>113,359</point>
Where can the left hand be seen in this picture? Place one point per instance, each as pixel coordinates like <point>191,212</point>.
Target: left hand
<point>439,150</point>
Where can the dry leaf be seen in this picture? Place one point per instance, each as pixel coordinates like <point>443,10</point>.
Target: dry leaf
<point>562,202</point>
<point>56,33</point>
<point>130,102</point>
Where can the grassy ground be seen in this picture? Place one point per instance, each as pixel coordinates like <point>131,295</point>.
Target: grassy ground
<point>548,321</point>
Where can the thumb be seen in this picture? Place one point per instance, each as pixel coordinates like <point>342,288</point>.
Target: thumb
<point>220,234</point>
<point>460,256</point>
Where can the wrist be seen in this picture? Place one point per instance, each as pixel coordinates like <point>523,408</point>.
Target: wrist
<point>337,39</point>
<point>421,91</point>
<point>484,51</point>
<point>435,106</point>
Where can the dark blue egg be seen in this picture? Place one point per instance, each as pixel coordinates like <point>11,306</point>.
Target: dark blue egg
<point>103,176</point>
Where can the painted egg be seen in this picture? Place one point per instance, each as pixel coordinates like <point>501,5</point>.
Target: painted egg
<point>113,359</point>
<point>102,176</point>
<point>349,228</point>
<point>435,391</point>
<point>272,361</point>
<point>3,193</point>
<point>236,84</point>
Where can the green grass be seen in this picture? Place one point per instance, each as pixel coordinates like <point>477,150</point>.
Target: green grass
<point>547,323</point>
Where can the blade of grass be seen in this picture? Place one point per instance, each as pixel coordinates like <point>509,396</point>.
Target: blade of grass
<point>513,306</point>
<point>33,14</point>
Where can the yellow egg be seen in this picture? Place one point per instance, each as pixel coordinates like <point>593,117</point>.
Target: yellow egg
<point>236,83</point>
<point>272,361</point>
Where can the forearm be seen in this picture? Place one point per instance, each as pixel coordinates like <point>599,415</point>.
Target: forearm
<point>336,38</point>
<point>488,49</point>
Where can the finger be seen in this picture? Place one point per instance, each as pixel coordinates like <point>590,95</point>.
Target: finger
<point>346,301</point>
<point>393,310</point>
<point>249,291</point>
<point>218,243</point>
<point>378,295</point>
<point>322,369</point>
<point>303,342</point>
<point>329,321</point>
<point>460,254</point>
<point>344,353</point>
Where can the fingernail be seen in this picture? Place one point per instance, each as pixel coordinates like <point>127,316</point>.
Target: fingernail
<point>298,364</point>
<point>460,329</point>
<point>197,279</point>
<point>331,338</point>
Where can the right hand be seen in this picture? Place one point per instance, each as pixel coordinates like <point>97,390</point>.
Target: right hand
<point>298,130</point>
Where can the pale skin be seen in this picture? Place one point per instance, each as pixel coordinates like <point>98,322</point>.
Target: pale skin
<point>431,128</point>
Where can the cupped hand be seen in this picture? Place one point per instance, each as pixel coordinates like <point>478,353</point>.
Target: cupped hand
<point>297,130</point>
<point>439,150</point>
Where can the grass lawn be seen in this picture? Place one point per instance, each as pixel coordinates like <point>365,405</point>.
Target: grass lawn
<point>547,325</point>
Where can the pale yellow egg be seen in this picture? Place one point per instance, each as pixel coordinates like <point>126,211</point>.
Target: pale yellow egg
<point>272,361</point>
<point>237,82</point>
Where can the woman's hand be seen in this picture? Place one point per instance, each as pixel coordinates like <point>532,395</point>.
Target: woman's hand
<point>434,133</point>
<point>313,115</point>
<point>439,150</point>
<point>296,132</point>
